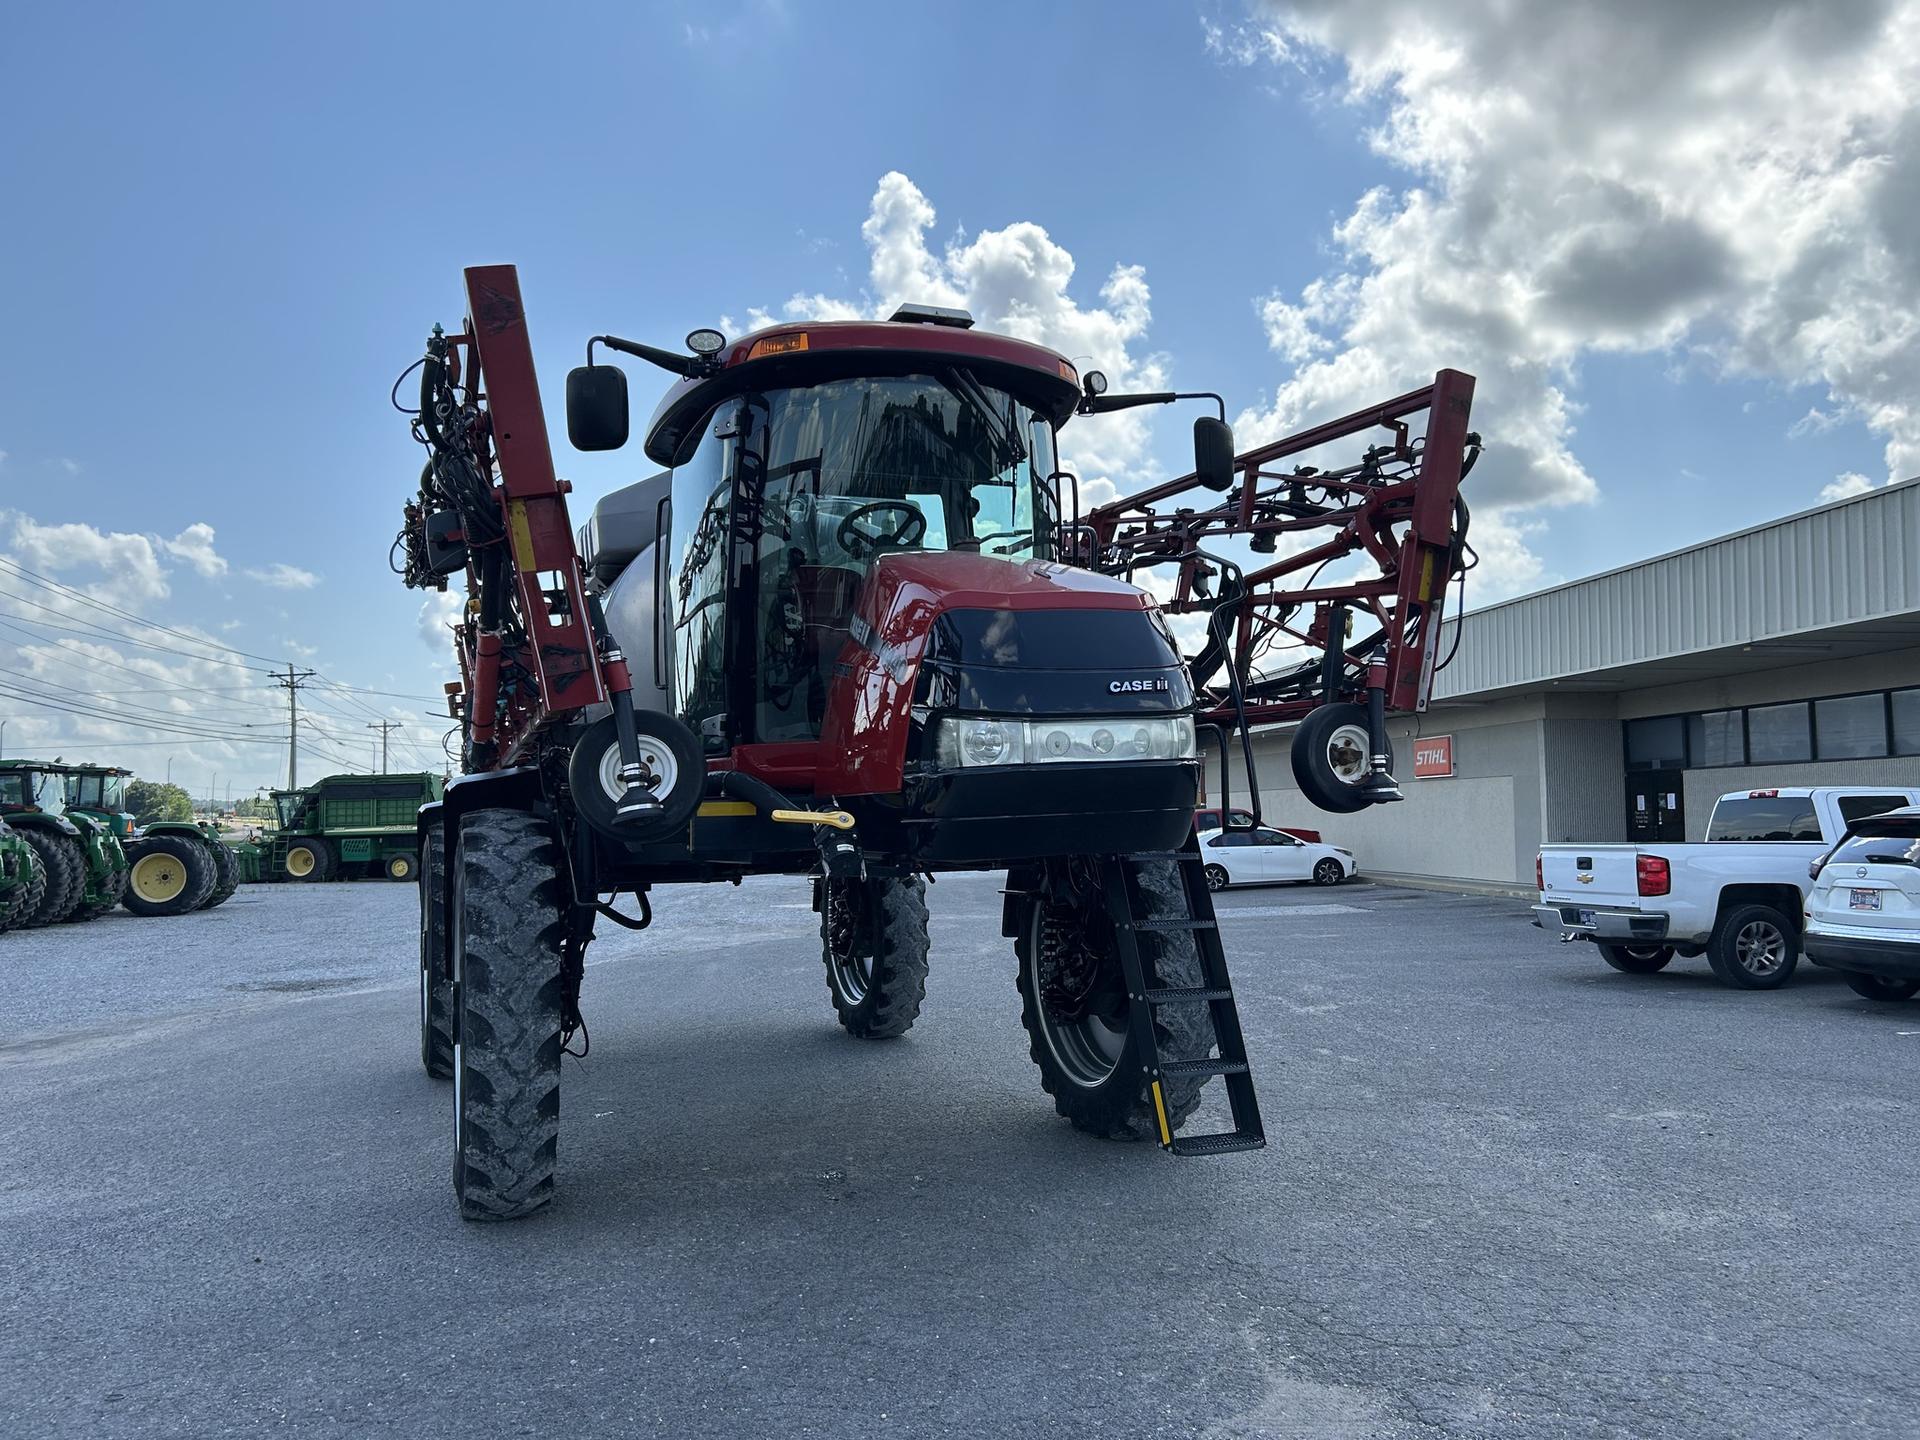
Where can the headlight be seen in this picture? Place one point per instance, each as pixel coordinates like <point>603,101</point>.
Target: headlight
<point>967,742</point>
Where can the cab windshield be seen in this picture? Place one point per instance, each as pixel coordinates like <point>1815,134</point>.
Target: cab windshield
<point>33,789</point>
<point>284,806</point>
<point>88,792</point>
<point>854,468</point>
<point>851,470</point>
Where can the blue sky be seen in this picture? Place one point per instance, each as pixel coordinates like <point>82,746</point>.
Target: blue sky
<point>229,228</point>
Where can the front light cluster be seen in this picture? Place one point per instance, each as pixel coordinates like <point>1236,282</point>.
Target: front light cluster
<point>966,742</point>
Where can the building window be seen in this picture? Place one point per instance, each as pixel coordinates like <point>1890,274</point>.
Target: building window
<point>1657,744</point>
<point>1779,733</point>
<point>1851,728</point>
<point>1718,737</point>
<point>1906,722</point>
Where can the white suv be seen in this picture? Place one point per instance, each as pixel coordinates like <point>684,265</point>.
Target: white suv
<point>1863,912</point>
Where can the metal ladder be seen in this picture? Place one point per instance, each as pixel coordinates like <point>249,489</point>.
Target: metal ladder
<point>1215,991</point>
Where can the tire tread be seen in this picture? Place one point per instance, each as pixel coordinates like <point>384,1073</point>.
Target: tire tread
<point>509,997</point>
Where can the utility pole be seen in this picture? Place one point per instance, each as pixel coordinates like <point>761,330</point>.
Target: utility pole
<point>291,683</point>
<point>385,727</point>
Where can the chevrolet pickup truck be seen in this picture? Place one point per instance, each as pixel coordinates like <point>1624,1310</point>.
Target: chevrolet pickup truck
<point>1737,898</point>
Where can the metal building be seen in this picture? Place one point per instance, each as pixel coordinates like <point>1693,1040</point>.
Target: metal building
<point>1619,706</point>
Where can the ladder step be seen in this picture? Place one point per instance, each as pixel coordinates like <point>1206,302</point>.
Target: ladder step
<point>1173,1068</point>
<point>1181,855</point>
<point>1181,925</point>
<point>1188,993</point>
<point>1227,1143</point>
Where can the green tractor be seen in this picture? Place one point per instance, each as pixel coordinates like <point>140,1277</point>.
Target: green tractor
<point>23,879</point>
<point>85,865</point>
<point>349,827</point>
<point>175,866</point>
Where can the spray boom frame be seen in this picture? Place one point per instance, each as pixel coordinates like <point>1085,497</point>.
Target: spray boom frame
<point>1399,506</point>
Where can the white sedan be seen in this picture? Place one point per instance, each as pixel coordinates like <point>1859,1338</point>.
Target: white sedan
<point>1268,857</point>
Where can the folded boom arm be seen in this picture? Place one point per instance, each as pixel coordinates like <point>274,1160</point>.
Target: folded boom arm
<point>1394,515</point>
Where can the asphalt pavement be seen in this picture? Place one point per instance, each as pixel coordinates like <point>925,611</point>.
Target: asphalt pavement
<point>1508,1193</point>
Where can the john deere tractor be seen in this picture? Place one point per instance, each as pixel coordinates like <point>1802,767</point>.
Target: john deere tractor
<point>86,868</point>
<point>23,880</point>
<point>175,865</point>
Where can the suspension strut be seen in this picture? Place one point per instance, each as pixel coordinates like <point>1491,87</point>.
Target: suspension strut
<point>637,801</point>
<point>1380,785</point>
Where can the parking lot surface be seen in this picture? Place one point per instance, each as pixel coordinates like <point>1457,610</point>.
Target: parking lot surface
<point>1508,1193</point>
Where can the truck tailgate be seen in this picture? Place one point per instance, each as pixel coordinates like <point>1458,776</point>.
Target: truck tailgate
<point>1590,874</point>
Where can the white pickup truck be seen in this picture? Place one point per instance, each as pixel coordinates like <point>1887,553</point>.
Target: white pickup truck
<point>1737,898</point>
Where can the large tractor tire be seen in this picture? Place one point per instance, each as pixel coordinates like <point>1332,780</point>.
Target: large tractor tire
<point>1074,1002</point>
<point>111,893</point>
<point>873,937</point>
<point>226,874</point>
<point>436,990</point>
<point>65,864</point>
<point>168,875</point>
<point>25,897</point>
<point>309,860</point>
<point>509,891</point>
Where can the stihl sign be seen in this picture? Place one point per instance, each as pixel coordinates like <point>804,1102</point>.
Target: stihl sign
<point>1433,757</point>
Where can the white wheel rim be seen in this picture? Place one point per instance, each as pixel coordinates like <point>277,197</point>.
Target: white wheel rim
<point>1348,754</point>
<point>656,757</point>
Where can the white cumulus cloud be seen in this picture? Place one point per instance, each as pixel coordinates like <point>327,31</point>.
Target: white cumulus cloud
<point>195,546</point>
<point>439,610</point>
<point>1734,183</point>
<point>129,563</point>
<point>1014,280</point>
<point>1850,482</point>
<point>282,576</point>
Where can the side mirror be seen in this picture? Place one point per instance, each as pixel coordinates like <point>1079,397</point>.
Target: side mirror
<point>597,407</point>
<point>1213,452</point>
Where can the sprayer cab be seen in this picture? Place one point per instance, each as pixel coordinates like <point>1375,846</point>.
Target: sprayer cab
<point>846,583</point>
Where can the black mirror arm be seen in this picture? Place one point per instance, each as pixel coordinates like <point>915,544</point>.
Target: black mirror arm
<point>1101,404</point>
<point>687,365</point>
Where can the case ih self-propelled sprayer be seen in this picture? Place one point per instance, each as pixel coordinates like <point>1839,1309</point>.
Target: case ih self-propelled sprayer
<point>847,632</point>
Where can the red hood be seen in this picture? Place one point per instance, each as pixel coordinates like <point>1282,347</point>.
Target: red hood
<point>962,580</point>
<point>864,738</point>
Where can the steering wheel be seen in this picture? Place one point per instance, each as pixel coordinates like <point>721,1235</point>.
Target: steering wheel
<point>860,542</point>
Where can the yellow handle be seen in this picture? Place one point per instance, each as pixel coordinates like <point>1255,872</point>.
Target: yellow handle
<point>838,819</point>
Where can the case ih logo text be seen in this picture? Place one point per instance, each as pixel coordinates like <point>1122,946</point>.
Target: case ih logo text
<point>1125,687</point>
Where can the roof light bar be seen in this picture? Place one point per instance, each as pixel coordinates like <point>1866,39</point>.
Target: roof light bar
<point>932,315</point>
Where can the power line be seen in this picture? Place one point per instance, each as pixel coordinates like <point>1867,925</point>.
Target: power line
<point>125,639</point>
<point>180,732</point>
<point>8,563</point>
<point>99,633</point>
<point>125,711</point>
